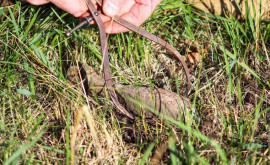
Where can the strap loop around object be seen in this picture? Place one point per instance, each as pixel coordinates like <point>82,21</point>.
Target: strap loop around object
<point>104,50</point>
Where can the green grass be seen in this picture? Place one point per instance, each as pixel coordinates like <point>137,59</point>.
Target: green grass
<point>39,108</point>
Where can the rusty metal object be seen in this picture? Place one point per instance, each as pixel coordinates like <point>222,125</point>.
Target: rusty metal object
<point>164,102</point>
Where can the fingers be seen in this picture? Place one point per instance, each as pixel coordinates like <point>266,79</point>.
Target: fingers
<point>111,7</point>
<point>74,7</point>
<point>138,13</point>
<point>117,7</point>
<point>37,2</point>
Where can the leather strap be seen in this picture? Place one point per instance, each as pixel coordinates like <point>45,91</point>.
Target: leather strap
<point>106,63</point>
<point>104,49</point>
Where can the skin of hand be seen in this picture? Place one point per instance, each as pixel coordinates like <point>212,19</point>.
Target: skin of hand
<point>134,11</point>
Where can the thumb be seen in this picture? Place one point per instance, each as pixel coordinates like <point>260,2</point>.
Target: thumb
<point>111,7</point>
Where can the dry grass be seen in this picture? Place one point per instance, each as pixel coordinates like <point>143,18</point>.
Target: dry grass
<point>44,119</point>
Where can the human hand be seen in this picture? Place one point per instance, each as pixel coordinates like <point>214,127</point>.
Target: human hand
<point>74,7</point>
<point>134,11</point>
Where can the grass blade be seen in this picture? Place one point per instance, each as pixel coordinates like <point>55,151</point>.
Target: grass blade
<point>23,148</point>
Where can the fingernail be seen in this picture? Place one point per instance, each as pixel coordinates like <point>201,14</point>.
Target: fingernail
<point>111,8</point>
